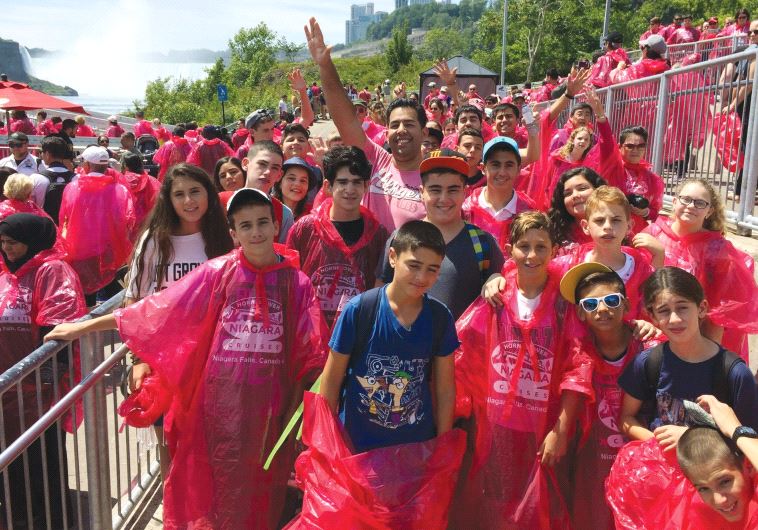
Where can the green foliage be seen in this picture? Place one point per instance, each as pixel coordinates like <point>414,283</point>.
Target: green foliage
<point>253,54</point>
<point>175,101</point>
<point>440,43</point>
<point>399,50</point>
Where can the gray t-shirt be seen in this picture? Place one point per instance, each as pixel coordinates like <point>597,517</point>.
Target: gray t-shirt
<point>460,280</point>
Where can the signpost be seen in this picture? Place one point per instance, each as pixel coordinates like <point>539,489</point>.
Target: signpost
<point>223,95</point>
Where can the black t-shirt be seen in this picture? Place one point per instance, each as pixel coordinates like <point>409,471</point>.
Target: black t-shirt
<point>350,231</point>
<point>473,181</point>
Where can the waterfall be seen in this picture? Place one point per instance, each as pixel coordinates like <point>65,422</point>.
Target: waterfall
<point>26,59</point>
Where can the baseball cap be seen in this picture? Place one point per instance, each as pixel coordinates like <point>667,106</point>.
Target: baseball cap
<point>713,20</point>
<point>112,119</point>
<point>518,95</point>
<point>245,196</point>
<point>576,274</point>
<point>359,103</point>
<point>18,137</point>
<point>95,154</point>
<point>478,103</point>
<point>256,116</point>
<point>446,159</point>
<point>431,83</point>
<point>443,89</point>
<point>501,142</point>
<point>296,161</point>
<point>656,43</point>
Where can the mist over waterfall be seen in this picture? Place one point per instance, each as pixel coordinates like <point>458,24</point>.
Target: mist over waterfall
<point>27,60</point>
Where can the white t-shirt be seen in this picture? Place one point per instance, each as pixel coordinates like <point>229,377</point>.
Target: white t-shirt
<point>526,306</point>
<point>189,252</point>
<point>626,271</point>
<point>503,214</point>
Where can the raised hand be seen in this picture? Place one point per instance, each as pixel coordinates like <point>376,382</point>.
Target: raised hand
<point>320,52</point>
<point>576,80</point>
<point>445,73</point>
<point>297,82</point>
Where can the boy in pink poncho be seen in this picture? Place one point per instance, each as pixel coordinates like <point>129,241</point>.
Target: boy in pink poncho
<point>521,379</point>
<point>249,335</point>
<point>341,242</point>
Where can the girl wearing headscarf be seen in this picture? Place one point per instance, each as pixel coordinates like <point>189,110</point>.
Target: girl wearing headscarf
<point>38,290</point>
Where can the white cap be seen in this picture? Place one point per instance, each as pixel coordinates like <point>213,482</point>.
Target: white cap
<point>96,155</point>
<point>431,83</point>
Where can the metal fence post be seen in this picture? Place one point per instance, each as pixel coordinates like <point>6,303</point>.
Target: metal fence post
<point>750,167</point>
<point>660,123</point>
<point>608,101</point>
<point>96,436</point>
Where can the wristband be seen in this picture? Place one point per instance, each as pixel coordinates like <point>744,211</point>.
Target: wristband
<point>567,95</point>
<point>745,431</point>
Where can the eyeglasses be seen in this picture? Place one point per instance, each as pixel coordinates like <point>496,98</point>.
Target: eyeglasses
<point>611,301</point>
<point>753,32</point>
<point>742,17</point>
<point>14,145</point>
<point>103,142</point>
<point>700,204</point>
<point>634,146</point>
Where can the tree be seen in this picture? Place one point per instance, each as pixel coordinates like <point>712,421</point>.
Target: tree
<point>399,51</point>
<point>440,43</point>
<point>214,78</point>
<point>290,49</point>
<point>253,53</point>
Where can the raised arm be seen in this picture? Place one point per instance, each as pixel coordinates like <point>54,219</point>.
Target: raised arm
<point>298,85</point>
<point>340,106</point>
<point>574,85</point>
<point>449,77</point>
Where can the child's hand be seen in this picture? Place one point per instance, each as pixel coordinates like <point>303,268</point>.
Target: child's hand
<point>297,82</point>
<point>65,332</point>
<point>722,413</point>
<point>553,448</point>
<point>643,330</point>
<point>668,436</point>
<point>492,290</point>
<point>652,245</point>
<point>137,374</point>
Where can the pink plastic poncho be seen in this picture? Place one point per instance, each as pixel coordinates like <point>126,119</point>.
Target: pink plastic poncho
<point>231,342</point>
<point>637,179</point>
<point>451,140</point>
<point>726,275</point>
<point>11,206</point>
<point>143,127</point>
<point>45,291</point>
<point>338,272</point>
<point>24,125</point>
<point>162,134</point>
<point>641,99</point>
<point>689,114</point>
<point>601,440</point>
<point>543,93</point>
<point>601,70</point>
<point>84,131</point>
<point>144,189</point>
<point>171,153</point>
<point>114,131</point>
<point>96,221</point>
<point>647,490</point>
<point>500,230</point>
<point>643,268</point>
<point>509,376</point>
<point>727,128</point>
<point>46,127</point>
<point>207,152</point>
<point>405,486</point>
<point>239,137</point>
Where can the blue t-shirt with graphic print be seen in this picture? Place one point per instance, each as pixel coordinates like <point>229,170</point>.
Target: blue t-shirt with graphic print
<point>680,380</point>
<point>387,398</point>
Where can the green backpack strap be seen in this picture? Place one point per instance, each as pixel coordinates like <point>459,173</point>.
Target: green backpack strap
<point>294,420</point>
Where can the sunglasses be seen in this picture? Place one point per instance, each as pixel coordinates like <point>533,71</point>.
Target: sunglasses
<point>753,32</point>
<point>13,145</point>
<point>611,301</point>
<point>700,204</point>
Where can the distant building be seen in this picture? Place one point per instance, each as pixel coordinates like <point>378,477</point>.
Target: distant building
<point>406,3</point>
<point>361,17</point>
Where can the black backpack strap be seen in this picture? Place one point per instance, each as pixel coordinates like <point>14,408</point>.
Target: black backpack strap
<point>368,306</point>
<point>721,388</point>
<point>653,369</point>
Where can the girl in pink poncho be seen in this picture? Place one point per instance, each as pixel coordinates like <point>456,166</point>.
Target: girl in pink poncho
<point>694,240</point>
<point>172,152</point>
<point>520,378</point>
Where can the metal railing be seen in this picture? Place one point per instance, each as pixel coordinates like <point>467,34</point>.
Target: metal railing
<point>45,481</point>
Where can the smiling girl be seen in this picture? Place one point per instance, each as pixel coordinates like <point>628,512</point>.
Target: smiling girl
<point>689,364</point>
<point>571,192</point>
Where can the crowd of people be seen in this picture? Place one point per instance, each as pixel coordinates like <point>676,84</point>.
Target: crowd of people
<point>500,326</point>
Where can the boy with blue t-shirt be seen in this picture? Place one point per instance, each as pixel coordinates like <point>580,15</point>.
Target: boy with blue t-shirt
<point>404,357</point>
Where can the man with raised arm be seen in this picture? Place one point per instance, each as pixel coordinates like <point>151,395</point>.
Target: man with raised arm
<point>394,188</point>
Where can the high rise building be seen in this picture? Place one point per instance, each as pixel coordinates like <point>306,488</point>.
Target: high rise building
<point>361,17</point>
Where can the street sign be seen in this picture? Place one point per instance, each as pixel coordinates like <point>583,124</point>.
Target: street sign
<point>222,93</point>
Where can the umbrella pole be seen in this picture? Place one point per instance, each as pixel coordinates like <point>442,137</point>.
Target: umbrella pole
<point>7,125</point>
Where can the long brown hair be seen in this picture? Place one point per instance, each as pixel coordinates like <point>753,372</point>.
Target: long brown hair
<point>164,221</point>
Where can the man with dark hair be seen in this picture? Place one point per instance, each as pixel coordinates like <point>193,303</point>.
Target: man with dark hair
<point>55,155</point>
<point>68,131</point>
<point>551,83</point>
<point>209,150</point>
<point>260,124</point>
<point>394,189</point>
<point>669,30</point>
<point>686,33</point>
<point>655,28</point>
<point>142,126</point>
<point>614,54</point>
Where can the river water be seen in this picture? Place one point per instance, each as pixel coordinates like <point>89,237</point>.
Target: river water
<point>115,89</point>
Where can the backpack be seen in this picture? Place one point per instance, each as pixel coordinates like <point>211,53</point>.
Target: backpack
<point>482,249</point>
<point>720,382</point>
<point>54,192</point>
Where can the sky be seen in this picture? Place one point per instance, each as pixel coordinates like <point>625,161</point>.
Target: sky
<point>161,25</point>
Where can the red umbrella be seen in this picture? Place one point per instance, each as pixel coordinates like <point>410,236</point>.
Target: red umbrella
<point>18,96</point>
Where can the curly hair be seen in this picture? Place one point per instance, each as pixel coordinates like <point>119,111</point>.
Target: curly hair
<point>565,151</point>
<point>716,220</point>
<point>18,186</point>
<point>561,220</point>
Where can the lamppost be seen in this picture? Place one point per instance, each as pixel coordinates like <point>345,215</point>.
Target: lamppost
<point>505,30</point>
<point>606,21</point>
